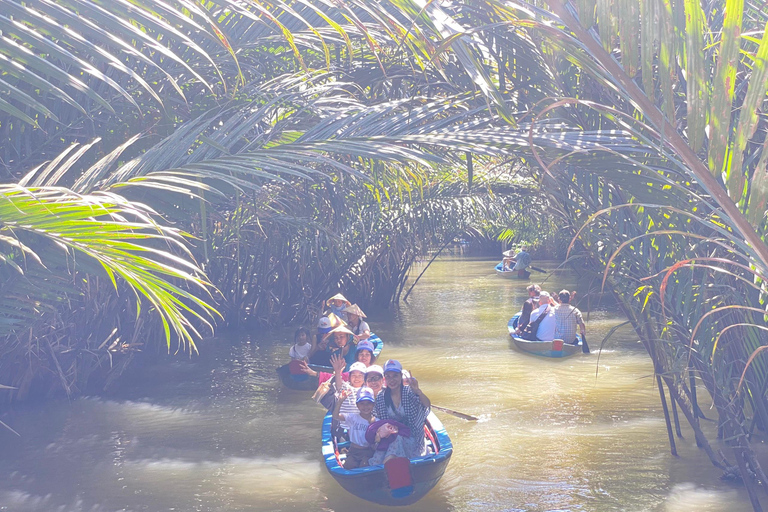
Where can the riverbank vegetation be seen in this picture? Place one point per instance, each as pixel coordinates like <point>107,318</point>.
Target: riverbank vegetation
<point>226,162</point>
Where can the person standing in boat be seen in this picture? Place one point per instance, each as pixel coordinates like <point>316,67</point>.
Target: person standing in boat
<point>405,402</point>
<point>567,319</point>
<point>355,322</point>
<point>528,306</point>
<point>546,330</point>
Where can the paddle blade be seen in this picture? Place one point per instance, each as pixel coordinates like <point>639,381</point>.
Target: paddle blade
<point>584,346</point>
<point>458,414</point>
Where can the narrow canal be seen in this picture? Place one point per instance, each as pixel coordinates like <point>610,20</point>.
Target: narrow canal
<point>218,433</point>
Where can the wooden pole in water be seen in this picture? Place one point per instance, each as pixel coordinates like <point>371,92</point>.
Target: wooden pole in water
<point>671,436</point>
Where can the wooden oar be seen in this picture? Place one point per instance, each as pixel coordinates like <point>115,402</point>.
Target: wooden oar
<point>458,414</point>
<point>584,346</point>
<point>537,269</point>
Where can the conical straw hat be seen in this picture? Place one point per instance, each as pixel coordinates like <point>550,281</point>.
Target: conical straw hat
<point>338,296</point>
<point>342,328</point>
<point>335,320</point>
<point>355,310</point>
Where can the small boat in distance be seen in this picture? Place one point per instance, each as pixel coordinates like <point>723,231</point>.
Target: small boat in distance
<point>303,382</point>
<point>370,483</point>
<point>554,348</point>
<point>511,274</point>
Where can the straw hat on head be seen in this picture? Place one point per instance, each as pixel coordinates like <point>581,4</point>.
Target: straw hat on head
<point>335,320</point>
<point>338,296</point>
<point>342,328</point>
<point>355,310</point>
<point>508,253</point>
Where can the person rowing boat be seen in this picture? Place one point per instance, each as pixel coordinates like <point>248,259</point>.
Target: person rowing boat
<point>522,261</point>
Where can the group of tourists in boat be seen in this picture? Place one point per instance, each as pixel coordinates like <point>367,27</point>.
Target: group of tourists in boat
<point>549,324</point>
<point>378,412</point>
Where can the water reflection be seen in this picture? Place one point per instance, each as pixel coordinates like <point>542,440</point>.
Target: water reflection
<point>219,433</point>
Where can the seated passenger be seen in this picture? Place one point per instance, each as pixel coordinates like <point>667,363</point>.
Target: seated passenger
<point>356,381</point>
<point>337,303</point>
<point>299,354</point>
<point>338,341</point>
<point>364,353</point>
<point>374,379</point>
<point>528,306</point>
<point>546,330</point>
<point>360,449</point>
<point>567,318</point>
<point>405,402</point>
<point>355,322</point>
<point>325,325</point>
<point>302,347</point>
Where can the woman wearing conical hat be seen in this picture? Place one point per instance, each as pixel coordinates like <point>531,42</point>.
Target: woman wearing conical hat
<point>355,322</point>
<point>337,303</point>
<point>338,341</point>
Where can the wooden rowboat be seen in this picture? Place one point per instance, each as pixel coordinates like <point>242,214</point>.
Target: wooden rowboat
<point>294,381</point>
<point>554,348</point>
<point>378,345</point>
<point>370,483</point>
<point>511,274</point>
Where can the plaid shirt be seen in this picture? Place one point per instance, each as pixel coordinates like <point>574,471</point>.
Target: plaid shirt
<point>567,319</point>
<point>415,413</point>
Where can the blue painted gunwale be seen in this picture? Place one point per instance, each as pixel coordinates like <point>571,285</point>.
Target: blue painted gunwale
<point>508,274</point>
<point>370,483</point>
<point>378,345</point>
<point>541,348</point>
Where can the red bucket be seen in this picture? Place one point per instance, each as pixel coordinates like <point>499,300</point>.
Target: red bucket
<point>557,345</point>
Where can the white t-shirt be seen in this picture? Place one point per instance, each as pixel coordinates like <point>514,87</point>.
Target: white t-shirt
<point>361,328</point>
<point>300,351</point>
<point>546,331</point>
<point>357,426</point>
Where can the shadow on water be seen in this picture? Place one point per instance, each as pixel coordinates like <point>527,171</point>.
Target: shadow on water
<point>219,433</point>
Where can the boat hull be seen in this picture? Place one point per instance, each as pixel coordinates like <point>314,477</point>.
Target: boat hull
<point>511,274</point>
<point>543,348</point>
<point>370,483</point>
<point>288,380</point>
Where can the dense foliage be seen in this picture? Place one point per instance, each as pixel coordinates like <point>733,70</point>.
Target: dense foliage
<point>312,144</point>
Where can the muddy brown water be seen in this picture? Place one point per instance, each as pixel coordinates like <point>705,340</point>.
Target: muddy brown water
<point>219,433</point>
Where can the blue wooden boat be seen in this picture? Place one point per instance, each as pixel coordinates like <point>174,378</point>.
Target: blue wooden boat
<point>511,274</point>
<point>307,383</point>
<point>370,483</point>
<point>378,345</point>
<point>543,348</point>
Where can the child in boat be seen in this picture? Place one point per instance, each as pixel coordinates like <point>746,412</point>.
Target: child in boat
<point>302,347</point>
<point>364,353</point>
<point>337,303</point>
<point>356,380</point>
<point>355,322</point>
<point>360,449</point>
<point>299,353</point>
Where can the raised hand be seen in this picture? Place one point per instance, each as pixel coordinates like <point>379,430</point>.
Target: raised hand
<point>338,363</point>
<point>413,383</point>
